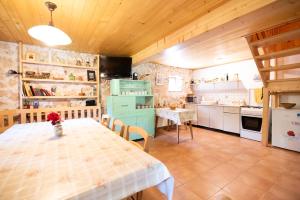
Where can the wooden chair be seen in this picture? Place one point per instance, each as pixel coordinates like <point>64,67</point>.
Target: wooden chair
<point>142,133</point>
<point>121,125</point>
<point>21,116</point>
<point>105,120</point>
<point>7,119</point>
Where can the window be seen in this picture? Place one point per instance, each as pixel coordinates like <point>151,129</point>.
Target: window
<point>175,84</point>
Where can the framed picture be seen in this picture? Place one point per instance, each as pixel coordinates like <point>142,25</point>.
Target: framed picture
<point>30,56</point>
<point>91,75</point>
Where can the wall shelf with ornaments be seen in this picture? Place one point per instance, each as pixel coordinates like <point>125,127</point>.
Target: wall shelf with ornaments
<point>57,64</point>
<point>53,62</point>
<point>60,97</point>
<point>219,86</point>
<point>58,81</point>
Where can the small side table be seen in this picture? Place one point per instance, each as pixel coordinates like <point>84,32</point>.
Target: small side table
<point>178,116</point>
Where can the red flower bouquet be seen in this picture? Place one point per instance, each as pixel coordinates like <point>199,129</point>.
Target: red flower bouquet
<point>54,118</point>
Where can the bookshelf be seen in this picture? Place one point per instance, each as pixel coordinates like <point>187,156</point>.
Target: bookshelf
<point>65,82</point>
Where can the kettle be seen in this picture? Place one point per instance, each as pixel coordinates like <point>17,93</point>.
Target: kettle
<point>134,76</point>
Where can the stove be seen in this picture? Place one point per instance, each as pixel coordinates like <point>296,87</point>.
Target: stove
<point>252,111</point>
<point>251,122</point>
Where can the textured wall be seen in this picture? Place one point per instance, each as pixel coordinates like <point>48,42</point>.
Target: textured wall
<point>9,92</point>
<point>9,98</point>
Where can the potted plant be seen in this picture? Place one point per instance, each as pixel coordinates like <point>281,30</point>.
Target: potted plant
<point>56,122</point>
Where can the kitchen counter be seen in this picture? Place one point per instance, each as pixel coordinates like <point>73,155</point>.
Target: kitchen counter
<point>221,105</point>
<point>224,117</point>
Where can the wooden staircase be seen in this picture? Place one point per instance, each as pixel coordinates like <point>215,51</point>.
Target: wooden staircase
<point>276,52</point>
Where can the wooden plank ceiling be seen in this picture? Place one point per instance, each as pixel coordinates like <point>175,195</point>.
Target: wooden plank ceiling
<point>225,43</point>
<point>115,27</point>
<point>202,32</point>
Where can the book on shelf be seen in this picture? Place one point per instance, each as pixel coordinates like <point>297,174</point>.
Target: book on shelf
<point>45,92</point>
<point>32,91</point>
<point>24,90</point>
<point>37,92</point>
<point>29,91</point>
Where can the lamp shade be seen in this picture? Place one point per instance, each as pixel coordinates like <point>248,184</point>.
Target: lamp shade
<point>49,35</point>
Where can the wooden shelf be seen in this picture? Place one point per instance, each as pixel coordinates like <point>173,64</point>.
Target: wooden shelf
<point>59,97</point>
<point>54,65</point>
<point>58,81</point>
<point>291,35</point>
<point>58,64</point>
<point>280,68</point>
<point>218,82</point>
<point>278,54</point>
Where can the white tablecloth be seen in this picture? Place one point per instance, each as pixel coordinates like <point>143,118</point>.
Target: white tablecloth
<point>178,116</point>
<point>89,162</point>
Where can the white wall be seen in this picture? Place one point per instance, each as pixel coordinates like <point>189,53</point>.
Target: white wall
<point>246,71</point>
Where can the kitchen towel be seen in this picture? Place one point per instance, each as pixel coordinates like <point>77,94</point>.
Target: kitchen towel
<point>258,95</point>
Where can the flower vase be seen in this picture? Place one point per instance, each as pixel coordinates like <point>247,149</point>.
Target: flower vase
<point>58,130</point>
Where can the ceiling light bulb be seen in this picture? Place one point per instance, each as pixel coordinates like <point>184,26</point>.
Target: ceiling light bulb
<point>50,35</point>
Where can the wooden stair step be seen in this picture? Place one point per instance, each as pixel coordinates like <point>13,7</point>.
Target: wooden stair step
<point>278,54</point>
<point>291,85</point>
<point>283,80</point>
<point>280,68</point>
<point>291,35</point>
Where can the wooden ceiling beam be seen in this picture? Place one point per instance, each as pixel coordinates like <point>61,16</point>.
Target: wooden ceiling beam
<point>230,11</point>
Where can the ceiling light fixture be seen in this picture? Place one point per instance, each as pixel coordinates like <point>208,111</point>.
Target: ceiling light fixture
<point>49,34</point>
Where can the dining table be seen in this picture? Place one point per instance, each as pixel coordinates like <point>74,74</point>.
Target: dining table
<point>88,162</point>
<point>179,116</point>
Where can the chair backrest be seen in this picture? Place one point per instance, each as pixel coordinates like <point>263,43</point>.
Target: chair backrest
<point>105,120</point>
<point>10,117</point>
<point>121,125</point>
<point>140,131</point>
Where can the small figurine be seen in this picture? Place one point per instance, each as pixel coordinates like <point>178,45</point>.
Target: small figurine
<point>71,77</point>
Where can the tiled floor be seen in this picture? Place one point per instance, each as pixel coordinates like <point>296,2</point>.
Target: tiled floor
<point>220,166</point>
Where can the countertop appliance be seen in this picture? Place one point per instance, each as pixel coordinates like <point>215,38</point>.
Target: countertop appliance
<point>286,128</point>
<point>251,122</point>
<point>191,99</point>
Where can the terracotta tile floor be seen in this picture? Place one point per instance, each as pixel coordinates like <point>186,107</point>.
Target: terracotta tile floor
<point>221,166</point>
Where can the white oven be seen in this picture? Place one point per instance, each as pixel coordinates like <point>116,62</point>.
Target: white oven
<point>251,122</point>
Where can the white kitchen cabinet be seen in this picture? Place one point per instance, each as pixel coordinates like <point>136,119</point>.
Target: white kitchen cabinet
<point>216,117</point>
<point>231,122</point>
<point>225,118</point>
<point>203,115</point>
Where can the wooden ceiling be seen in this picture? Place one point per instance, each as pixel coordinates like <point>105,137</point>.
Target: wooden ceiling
<point>130,28</point>
<point>115,27</point>
<point>226,43</point>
